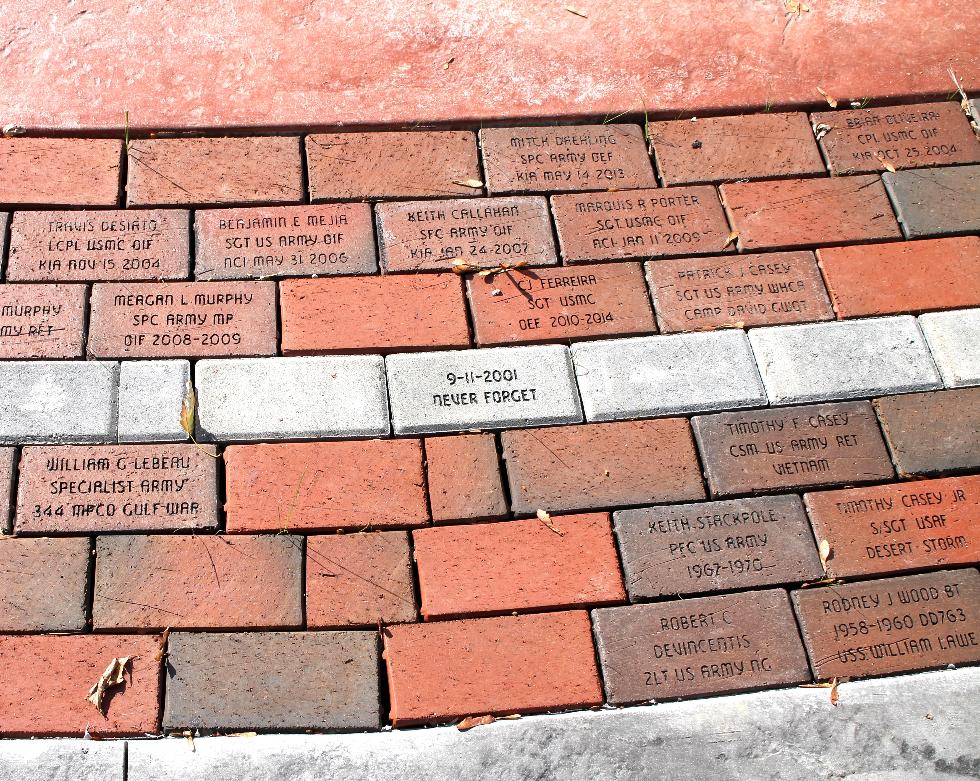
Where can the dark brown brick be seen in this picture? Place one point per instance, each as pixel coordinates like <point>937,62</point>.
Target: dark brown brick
<point>936,202</point>
<point>43,584</point>
<point>761,450</point>
<point>693,647</point>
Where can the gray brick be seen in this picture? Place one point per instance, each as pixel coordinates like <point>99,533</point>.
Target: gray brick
<point>845,360</point>
<point>4,224</point>
<point>62,760</point>
<point>466,389</point>
<point>291,398</point>
<point>936,201</point>
<point>58,401</point>
<point>151,396</point>
<point>954,338</point>
<point>666,375</point>
<point>272,681</point>
<point>6,488</point>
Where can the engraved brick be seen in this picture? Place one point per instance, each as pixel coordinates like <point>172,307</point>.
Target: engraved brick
<point>936,202</point>
<point>751,146</point>
<point>918,136</point>
<point>640,225</point>
<point>843,360</point>
<point>6,488</point>
<point>885,279</point>
<point>42,321</point>
<point>561,303</point>
<point>761,450</point>
<point>363,166</point>
<point>359,580</point>
<point>398,312</point>
<point>99,246</point>
<point>43,584</point>
<point>284,241</point>
<point>60,171</point>
<point>692,294</point>
<point>566,158</point>
<point>885,529</point>
<point>595,466</point>
<point>932,433</point>
<point>809,212</point>
<point>208,582</point>
<point>116,488</point>
<point>954,341</point>
<point>892,625</point>
<point>433,235</point>
<point>325,485</point>
<point>498,387</point>
<point>513,664</point>
<point>481,569</point>
<point>307,680</point>
<point>463,478</point>
<point>183,320</point>
<point>693,647</point>
<point>152,398</point>
<point>665,375</point>
<point>716,546</point>
<point>206,171</point>
<point>54,703</point>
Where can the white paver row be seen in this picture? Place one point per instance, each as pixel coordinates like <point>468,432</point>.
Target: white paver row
<point>505,387</point>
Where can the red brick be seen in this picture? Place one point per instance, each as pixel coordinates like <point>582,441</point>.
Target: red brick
<point>600,465</point>
<point>43,584</point>
<point>463,476</point>
<point>640,224</point>
<point>565,158</point>
<point>318,486</point>
<point>737,290</point>
<point>513,664</point>
<point>220,171</point>
<point>188,582</point>
<point>905,276</point>
<point>359,580</point>
<point>99,246</point>
<point>886,529</point>
<point>419,311</point>
<point>481,569</point>
<point>433,235</point>
<point>42,321</point>
<point>361,166</point>
<point>182,320</point>
<point>60,171</point>
<point>6,487</point>
<point>284,241</point>
<point>116,488</point>
<point>44,680</point>
<point>926,134</point>
<point>808,212</point>
<point>560,303</point>
<point>892,625</point>
<point>750,146</point>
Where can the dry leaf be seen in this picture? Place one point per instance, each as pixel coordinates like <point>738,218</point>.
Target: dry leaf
<point>187,407</point>
<point>114,675</point>
<point>9,131</point>
<point>476,184</point>
<point>930,716</point>
<point>795,7</point>
<point>576,12</point>
<point>824,550</point>
<point>732,238</point>
<point>503,267</point>
<point>545,518</point>
<point>496,292</point>
<point>831,101</point>
<point>888,166</point>
<point>448,62</point>
<point>162,650</point>
<point>834,693</point>
<point>474,721</point>
<point>462,267</point>
<point>820,130</point>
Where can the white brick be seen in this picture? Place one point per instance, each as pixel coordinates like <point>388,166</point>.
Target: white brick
<point>151,395</point>
<point>845,360</point>
<point>665,375</point>
<point>58,401</point>
<point>954,338</point>
<point>291,398</point>
<point>62,760</point>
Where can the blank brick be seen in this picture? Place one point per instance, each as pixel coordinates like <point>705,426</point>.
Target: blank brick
<point>6,487</point>
<point>44,680</point>
<point>809,212</point>
<point>4,223</point>
<point>936,202</point>
<point>42,321</point>
<point>446,670</point>
<point>60,171</point>
<point>359,580</point>
<point>220,171</point>
<point>43,584</point>
<point>480,569</point>
<point>391,312</point>
<point>208,582</point>
<point>325,485</point>
<point>463,474</point>
<point>954,340</point>
<point>362,166</point>
<point>151,399</point>
<point>600,465</point>
<point>753,146</point>
<point>905,276</point>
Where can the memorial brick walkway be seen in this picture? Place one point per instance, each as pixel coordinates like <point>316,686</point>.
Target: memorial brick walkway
<point>348,431</point>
